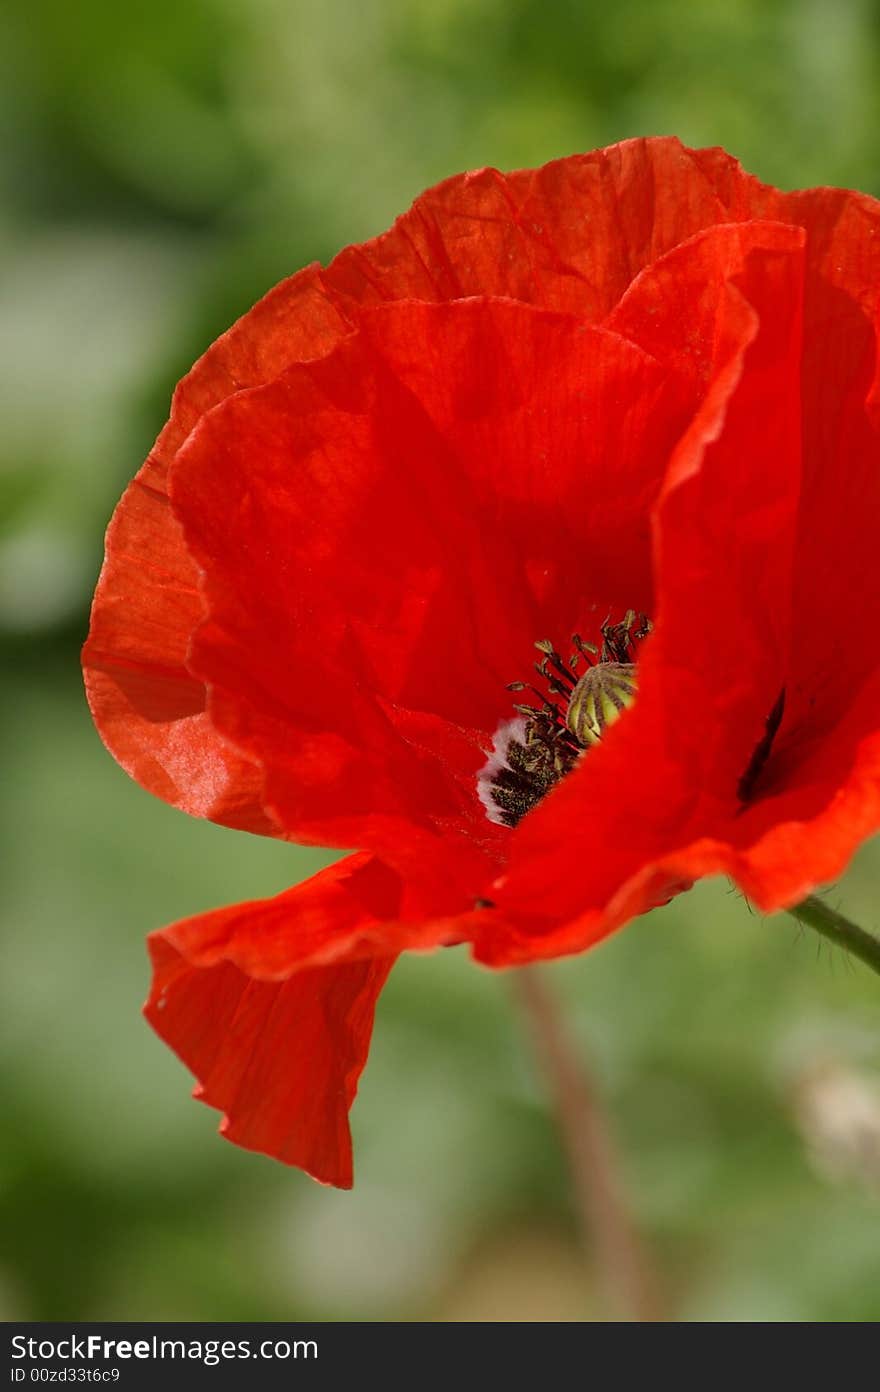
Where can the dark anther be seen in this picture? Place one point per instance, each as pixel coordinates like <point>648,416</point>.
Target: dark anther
<point>617,639</point>
<point>552,656</point>
<point>761,753</point>
<point>484,903</point>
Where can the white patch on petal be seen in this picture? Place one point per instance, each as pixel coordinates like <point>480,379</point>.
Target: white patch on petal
<point>509,731</point>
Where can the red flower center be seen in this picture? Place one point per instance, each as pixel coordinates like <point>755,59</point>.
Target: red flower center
<point>543,742</point>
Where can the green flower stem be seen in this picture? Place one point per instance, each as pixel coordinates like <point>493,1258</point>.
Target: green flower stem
<point>858,942</point>
<point>613,1242</point>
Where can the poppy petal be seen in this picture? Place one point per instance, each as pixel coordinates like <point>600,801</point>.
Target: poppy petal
<point>148,707</point>
<point>270,1004</point>
<point>569,236</point>
<point>665,779</point>
<point>438,576</point>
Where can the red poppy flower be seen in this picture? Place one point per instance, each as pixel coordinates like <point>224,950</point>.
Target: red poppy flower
<point>623,407</point>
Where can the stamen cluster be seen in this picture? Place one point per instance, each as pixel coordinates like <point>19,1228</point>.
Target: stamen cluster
<point>534,751</point>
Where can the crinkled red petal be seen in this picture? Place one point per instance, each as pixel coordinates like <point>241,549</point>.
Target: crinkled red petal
<point>668,773</point>
<point>449,481</point>
<point>271,1005</point>
<point>147,705</point>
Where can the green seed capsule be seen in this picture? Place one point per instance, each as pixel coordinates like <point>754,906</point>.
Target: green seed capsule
<point>598,699</point>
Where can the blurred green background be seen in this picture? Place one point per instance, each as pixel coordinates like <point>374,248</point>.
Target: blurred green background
<point>162,166</point>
